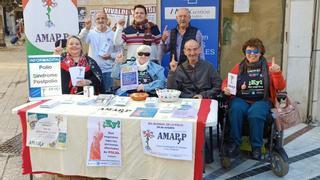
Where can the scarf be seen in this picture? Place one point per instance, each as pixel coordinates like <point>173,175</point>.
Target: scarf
<point>262,63</point>
<point>68,62</point>
<point>145,26</point>
<point>142,67</point>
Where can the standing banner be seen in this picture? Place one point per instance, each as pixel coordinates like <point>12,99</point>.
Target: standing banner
<point>44,76</point>
<point>167,139</point>
<point>205,16</point>
<point>46,22</point>
<point>104,142</point>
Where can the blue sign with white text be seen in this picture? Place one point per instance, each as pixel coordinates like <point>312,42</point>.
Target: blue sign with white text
<point>205,15</point>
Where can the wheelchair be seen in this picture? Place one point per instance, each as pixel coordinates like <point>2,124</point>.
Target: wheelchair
<point>272,150</point>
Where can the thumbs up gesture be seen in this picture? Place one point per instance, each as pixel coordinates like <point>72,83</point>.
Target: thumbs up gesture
<point>274,67</point>
<point>244,86</point>
<point>173,64</point>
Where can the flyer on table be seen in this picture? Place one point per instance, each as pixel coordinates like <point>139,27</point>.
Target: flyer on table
<point>44,76</point>
<point>167,139</point>
<point>46,131</point>
<point>104,142</point>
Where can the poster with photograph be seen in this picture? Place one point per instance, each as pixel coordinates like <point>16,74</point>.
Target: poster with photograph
<point>104,142</point>
<point>129,77</point>
<point>46,131</point>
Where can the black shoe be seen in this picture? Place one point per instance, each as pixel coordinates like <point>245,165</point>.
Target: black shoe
<point>256,153</point>
<point>232,150</point>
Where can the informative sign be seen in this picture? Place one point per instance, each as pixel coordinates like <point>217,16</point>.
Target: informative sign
<point>104,142</point>
<point>47,21</point>
<point>44,76</point>
<point>204,16</point>
<point>46,131</point>
<point>128,77</point>
<point>167,139</point>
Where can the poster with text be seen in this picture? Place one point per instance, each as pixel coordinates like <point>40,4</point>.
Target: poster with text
<point>44,76</point>
<point>167,139</point>
<point>104,142</point>
<point>46,131</point>
<point>129,77</point>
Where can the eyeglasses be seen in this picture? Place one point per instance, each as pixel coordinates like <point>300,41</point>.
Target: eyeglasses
<point>147,54</point>
<point>254,51</point>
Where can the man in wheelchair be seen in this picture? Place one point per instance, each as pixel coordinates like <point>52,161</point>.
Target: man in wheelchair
<point>257,84</point>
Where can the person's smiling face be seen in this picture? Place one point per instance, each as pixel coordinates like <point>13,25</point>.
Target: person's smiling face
<point>74,47</point>
<point>253,54</point>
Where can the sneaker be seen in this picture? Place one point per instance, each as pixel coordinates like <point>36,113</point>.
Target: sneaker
<point>232,150</point>
<point>256,153</point>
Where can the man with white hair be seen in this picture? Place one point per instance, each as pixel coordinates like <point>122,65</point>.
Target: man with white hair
<point>150,74</point>
<point>175,39</point>
<point>101,47</point>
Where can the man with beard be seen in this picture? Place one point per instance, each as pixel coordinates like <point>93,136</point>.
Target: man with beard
<point>101,47</point>
<point>175,39</point>
<point>194,78</point>
<point>141,32</point>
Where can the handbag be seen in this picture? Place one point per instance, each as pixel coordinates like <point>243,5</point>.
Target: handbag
<point>285,112</point>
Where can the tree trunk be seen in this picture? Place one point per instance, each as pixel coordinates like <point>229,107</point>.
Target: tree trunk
<point>2,33</point>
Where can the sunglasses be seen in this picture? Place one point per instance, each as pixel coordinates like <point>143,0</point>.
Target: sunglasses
<point>147,54</point>
<point>255,51</point>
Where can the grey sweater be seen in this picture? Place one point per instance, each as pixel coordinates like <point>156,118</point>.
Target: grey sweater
<point>204,76</point>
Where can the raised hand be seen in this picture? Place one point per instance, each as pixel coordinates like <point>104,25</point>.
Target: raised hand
<point>58,50</point>
<point>226,91</point>
<point>165,34</point>
<point>173,64</point>
<point>119,58</point>
<point>244,86</point>
<point>121,22</point>
<point>274,67</point>
<point>88,23</point>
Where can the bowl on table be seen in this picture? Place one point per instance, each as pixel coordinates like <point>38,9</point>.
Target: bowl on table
<point>139,96</point>
<point>168,95</point>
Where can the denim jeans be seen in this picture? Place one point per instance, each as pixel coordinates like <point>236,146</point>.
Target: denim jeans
<point>256,114</point>
<point>107,81</point>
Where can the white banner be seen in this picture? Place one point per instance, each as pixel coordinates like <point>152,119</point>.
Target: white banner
<point>166,139</point>
<point>46,131</point>
<point>104,142</point>
<point>44,76</point>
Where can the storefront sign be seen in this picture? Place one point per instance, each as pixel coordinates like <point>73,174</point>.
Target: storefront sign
<point>104,142</point>
<point>166,139</point>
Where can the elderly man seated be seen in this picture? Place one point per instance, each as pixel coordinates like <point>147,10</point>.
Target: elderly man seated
<point>150,75</point>
<point>195,78</point>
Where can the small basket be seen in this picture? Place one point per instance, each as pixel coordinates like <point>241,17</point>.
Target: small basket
<point>139,96</point>
<point>168,95</point>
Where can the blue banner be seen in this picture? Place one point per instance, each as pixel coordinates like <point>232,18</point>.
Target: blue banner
<point>205,15</point>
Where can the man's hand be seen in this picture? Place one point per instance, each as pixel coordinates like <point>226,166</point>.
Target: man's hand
<point>274,67</point>
<point>226,91</point>
<point>244,86</point>
<point>140,87</point>
<point>173,65</point>
<point>87,23</point>
<point>165,34</point>
<point>106,56</point>
<point>121,23</point>
<point>119,58</point>
<point>198,96</point>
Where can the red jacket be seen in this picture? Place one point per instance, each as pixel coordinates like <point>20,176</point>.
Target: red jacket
<point>277,82</point>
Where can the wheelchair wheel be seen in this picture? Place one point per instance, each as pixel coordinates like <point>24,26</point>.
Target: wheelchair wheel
<point>279,162</point>
<point>225,162</point>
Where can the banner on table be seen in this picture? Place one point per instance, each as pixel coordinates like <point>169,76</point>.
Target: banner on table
<point>166,139</point>
<point>205,16</point>
<point>46,131</point>
<point>104,142</point>
<point>44,76</point>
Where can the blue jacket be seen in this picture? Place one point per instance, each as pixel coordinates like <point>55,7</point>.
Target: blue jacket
<point>156,72</point>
